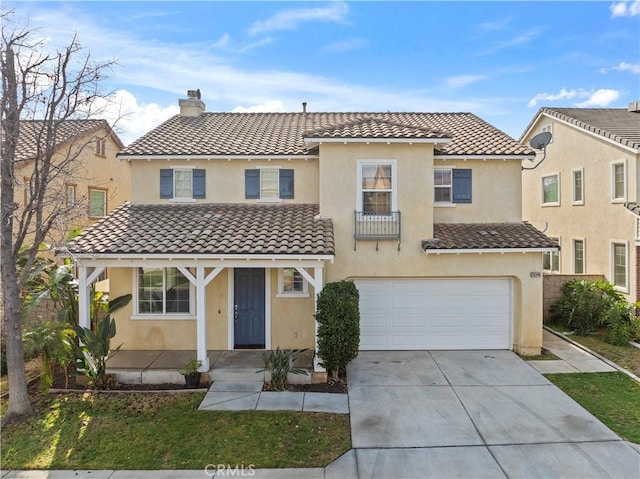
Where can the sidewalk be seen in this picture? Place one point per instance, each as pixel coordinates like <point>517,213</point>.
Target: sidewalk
<point>573,359</point>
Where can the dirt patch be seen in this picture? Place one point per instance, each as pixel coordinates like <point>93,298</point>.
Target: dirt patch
<point>332,386</point>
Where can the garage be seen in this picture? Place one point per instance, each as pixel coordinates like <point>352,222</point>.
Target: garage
<point>414,314</point>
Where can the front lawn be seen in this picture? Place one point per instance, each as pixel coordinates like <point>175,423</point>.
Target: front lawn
<point>166,431</point>
<point>614,398</point>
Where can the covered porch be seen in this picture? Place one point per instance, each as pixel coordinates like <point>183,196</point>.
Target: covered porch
<point>159,367</point>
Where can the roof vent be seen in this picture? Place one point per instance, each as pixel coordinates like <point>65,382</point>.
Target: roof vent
<point>634,107</point>
<point>192,105</point>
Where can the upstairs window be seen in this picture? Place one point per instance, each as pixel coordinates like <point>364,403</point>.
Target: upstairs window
<point>269,184</point>
<point>578,187</point>
<point>97,202</point>
<point>71,195</point>
<point>452,185</point>
<point>551,190</point>
<point>618,182</point>
<point>182,183</point>
<point>551,259</point>
<point>101,147</point>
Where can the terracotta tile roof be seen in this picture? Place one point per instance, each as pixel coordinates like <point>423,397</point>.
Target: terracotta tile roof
<point>192,229</point>
<point>486,236</point>
<point>617,124</point>
<point>33,134</point>
<point>272,134</point>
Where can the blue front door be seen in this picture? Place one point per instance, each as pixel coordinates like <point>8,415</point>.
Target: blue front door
<point>248,308</point>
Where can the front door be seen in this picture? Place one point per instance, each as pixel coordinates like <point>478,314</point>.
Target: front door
<point>248,312</point>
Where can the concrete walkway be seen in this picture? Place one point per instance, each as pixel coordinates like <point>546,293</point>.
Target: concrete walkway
<point>242,396</point>
<point>573,359</point>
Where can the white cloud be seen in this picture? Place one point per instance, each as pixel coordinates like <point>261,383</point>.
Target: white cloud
<point>563,95</point>
<point>625,9</point>
<point>269,106</point>
<point>460,81</point>
<point>602,97</point>
<point>633,68</point>
<point>290,19</point>
<point>522,39</point>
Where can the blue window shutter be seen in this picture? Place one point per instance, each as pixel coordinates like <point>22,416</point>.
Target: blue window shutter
<point>166,183</point>
<point>286,184</point>
<point>461,186</point>
<point>199,184</point>
<point>252,184</point>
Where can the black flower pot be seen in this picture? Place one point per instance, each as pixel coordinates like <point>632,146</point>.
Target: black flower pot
<point>192,380</point>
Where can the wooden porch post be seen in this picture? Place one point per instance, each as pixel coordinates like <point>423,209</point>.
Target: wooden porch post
<point>84,319</point>
<point>201,320</point>
<point>318,285</point>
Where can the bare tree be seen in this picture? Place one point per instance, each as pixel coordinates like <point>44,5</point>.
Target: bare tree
<point>52,88</point>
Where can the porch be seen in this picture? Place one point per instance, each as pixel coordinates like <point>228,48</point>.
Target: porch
<point>161,366</point>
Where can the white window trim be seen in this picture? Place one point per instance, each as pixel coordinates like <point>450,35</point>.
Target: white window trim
<point>394,181</point>
<point>613,181</point>
<point>555,203</point>
<point>573,254</point>
<point>573,187</point>
<point>612,243</point>
<point>445,204</point>
<point>268,200</point>
<point>291,294</point>
<point>163,317</point>
<point>559,253</point>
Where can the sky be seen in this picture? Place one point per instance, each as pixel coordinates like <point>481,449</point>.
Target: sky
<point>500,60</point>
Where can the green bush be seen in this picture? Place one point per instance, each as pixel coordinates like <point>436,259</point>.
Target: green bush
<point>338,316</point>
<point>621,323</point>
<point>280,363</point>
<point>583,304</point>
<point>95,350</point>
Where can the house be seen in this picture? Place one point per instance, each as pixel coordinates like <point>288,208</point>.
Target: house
<point>237,220</point>
<point>87,183</point>
<point>585,193</point>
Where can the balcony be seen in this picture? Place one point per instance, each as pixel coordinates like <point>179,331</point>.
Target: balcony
<point>377,226</point>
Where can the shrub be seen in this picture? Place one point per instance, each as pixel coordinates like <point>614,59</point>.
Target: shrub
<point>583,304</point>
<point>622,324</point>
<point>338,316</point>
<point>280,363</point>
<point>95,351</point>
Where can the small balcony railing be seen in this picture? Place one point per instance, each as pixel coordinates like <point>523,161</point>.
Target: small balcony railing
<point>378,226</point>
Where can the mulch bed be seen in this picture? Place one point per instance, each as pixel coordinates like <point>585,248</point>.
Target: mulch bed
<point>332,386</point>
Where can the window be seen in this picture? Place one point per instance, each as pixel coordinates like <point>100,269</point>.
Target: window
<point>551,190</point>
<point>182,183</point>
<point>97,202</point>
<point>376,188</point>
<point>291,283</point>
<point>578,256</point>
<point>269,184</point>
<point>619,265</point>
<point>101,147</point>
<point>551,259</point>
<point>163,291</point>
<point>578,187</point>
<point>452,185</point>
<point>618,183</point>
<point>71,195</point>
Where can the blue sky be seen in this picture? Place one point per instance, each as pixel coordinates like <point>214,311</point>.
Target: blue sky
<point>500,60</point>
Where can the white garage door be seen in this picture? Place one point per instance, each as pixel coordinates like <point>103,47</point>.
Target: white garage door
<point>435,313</point>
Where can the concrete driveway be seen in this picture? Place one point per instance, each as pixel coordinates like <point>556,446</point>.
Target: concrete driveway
<point>447,414</point>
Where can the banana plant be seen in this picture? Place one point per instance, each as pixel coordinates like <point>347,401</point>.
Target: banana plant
<point>95,350</point>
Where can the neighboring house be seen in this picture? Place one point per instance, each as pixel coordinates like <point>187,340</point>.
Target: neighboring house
<point>237,220</point>
<point>585,192</point>
<point>87,179</point>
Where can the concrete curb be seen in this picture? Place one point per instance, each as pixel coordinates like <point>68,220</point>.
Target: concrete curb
<point>593,353</point>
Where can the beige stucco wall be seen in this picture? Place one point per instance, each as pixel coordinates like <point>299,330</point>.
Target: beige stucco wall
<point>224,179</point>
<point>599,221</point>
<point>87,170</point>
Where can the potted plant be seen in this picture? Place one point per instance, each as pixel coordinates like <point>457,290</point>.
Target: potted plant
<point>191,373</point>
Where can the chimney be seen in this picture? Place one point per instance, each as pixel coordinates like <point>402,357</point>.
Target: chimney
<point>192,105</point>
<point>304,107</point>
<point>634,107</point>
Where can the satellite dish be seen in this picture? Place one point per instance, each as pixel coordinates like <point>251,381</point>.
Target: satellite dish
<point>541,140</point>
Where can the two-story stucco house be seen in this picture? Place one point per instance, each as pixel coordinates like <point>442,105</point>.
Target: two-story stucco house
<point>237,220</point>
<point>585,192</point>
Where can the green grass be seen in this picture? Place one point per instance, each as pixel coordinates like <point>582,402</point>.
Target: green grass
<point>165,431</point>
<point>614,398</point>
<point>626,356</point>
